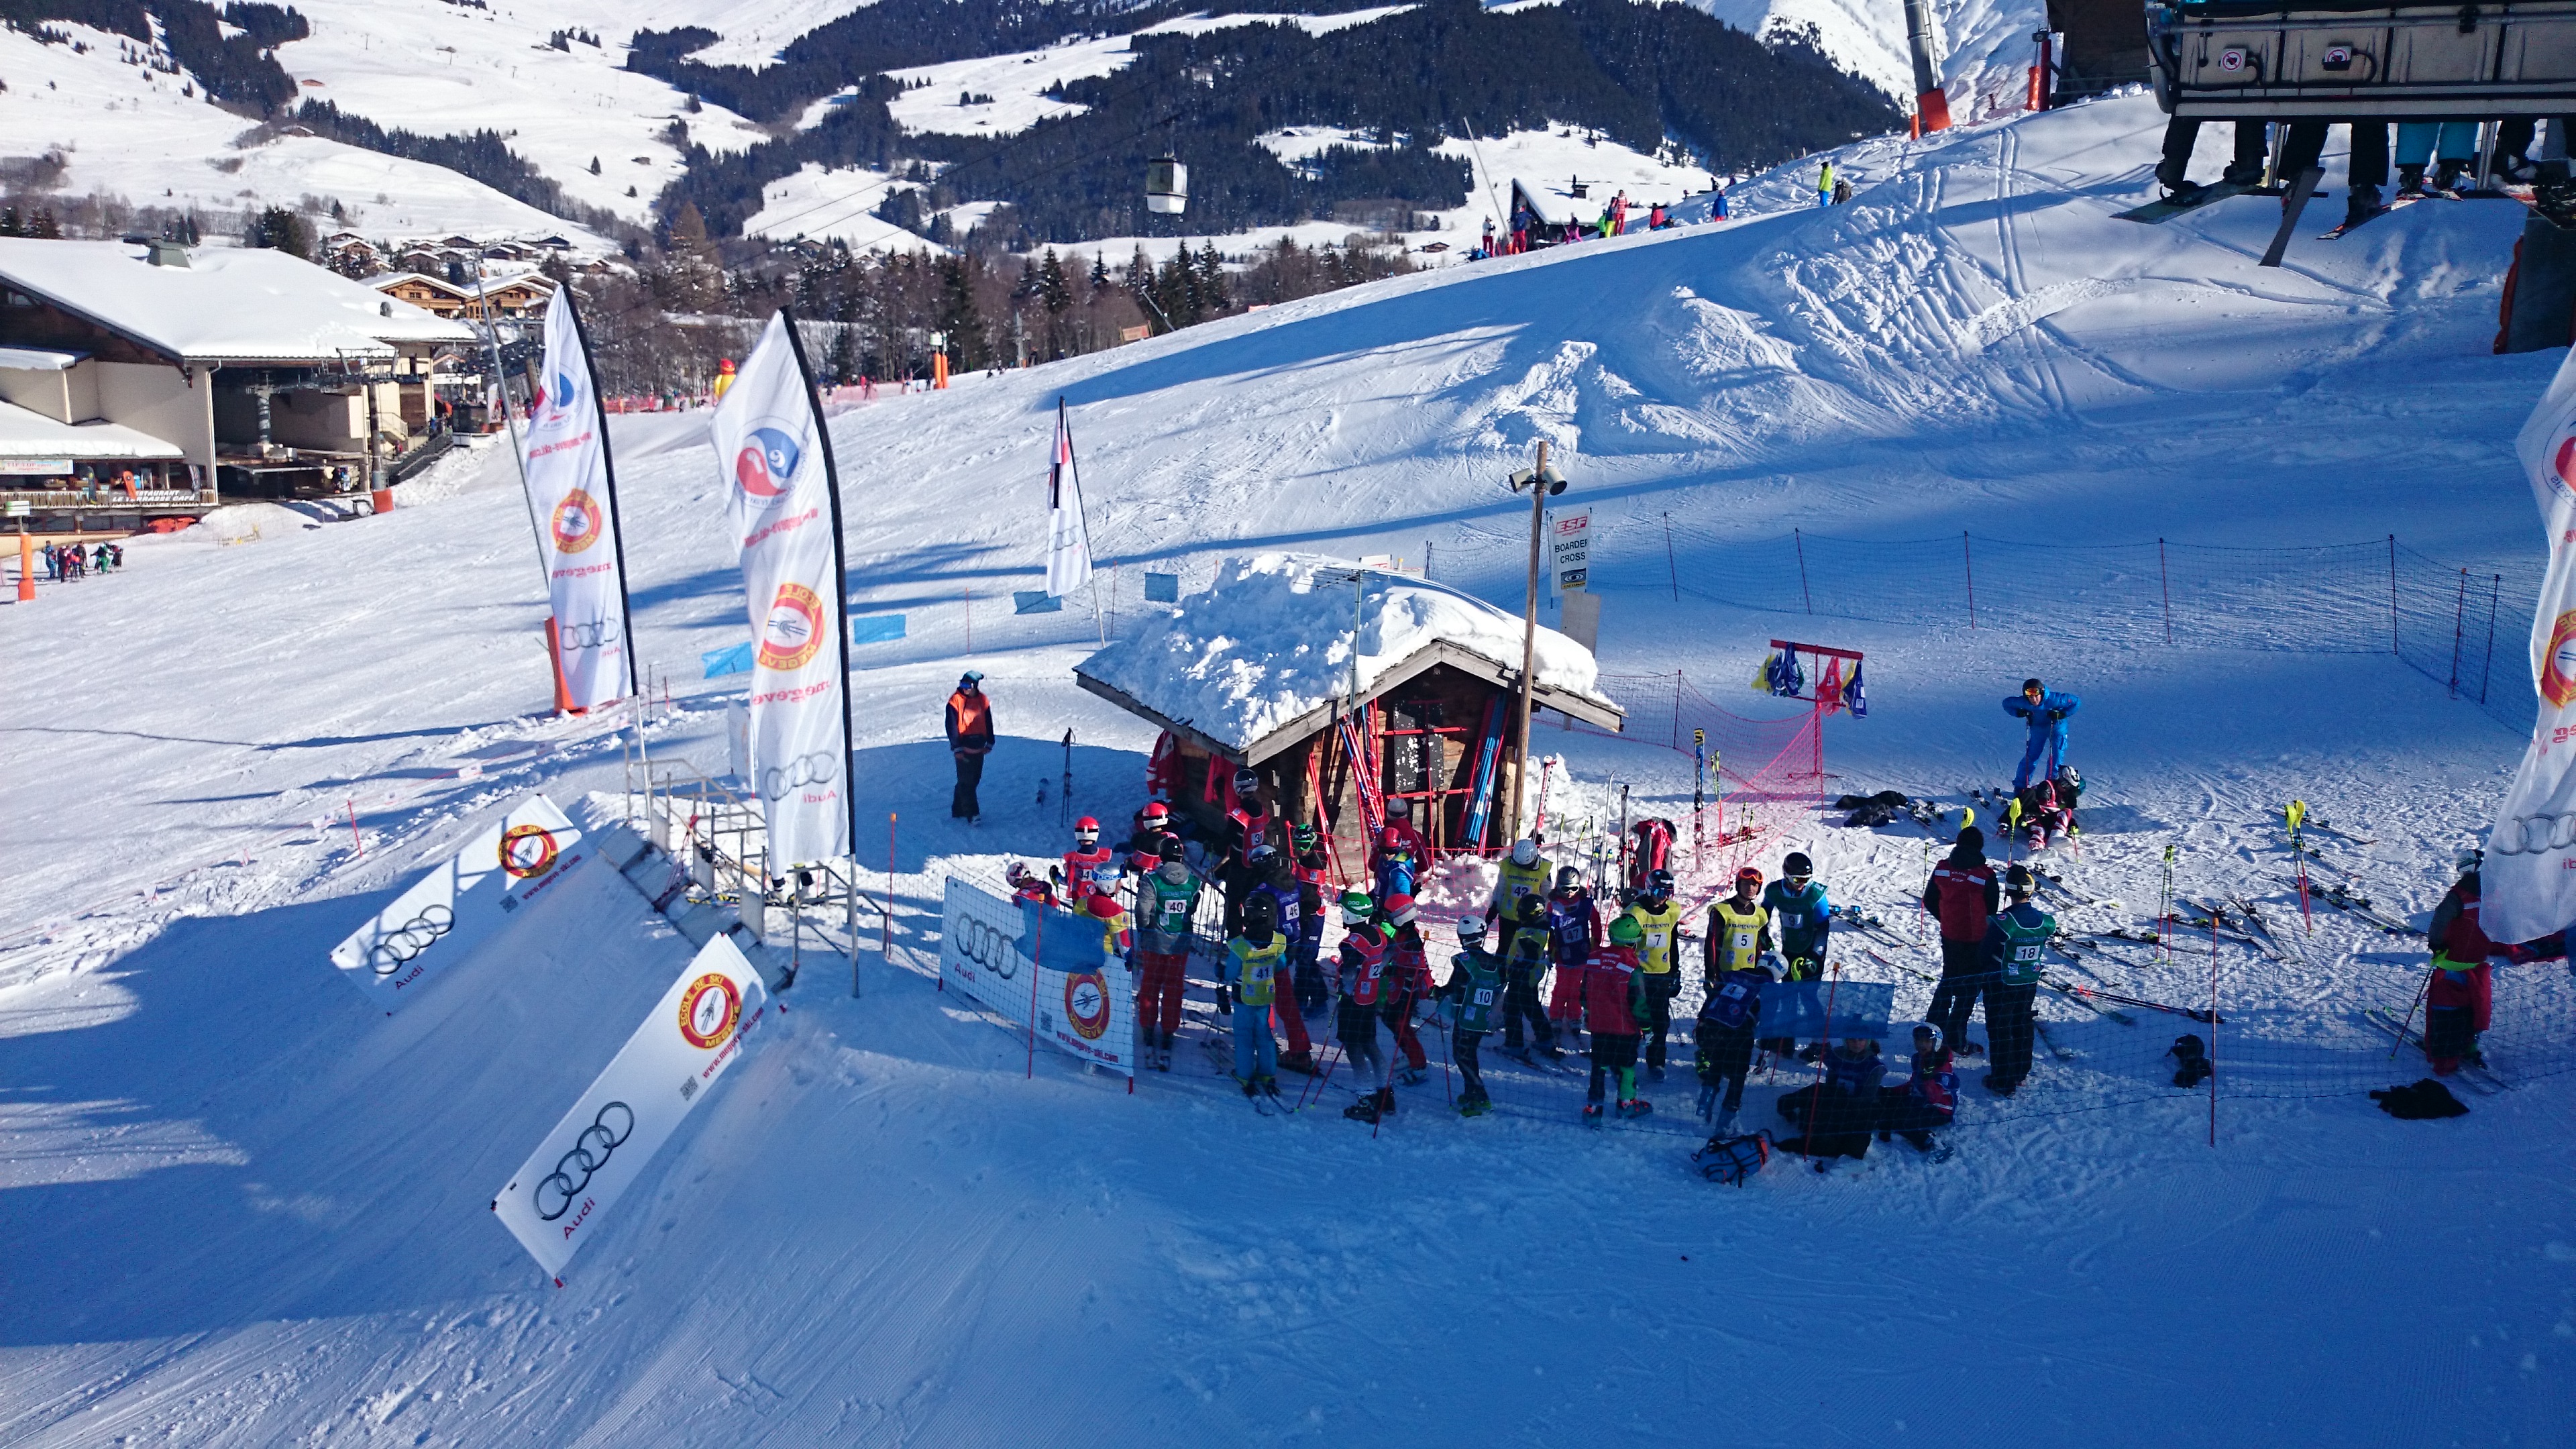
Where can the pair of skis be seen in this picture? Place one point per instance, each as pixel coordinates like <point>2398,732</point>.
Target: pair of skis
<point>2477,1076</point>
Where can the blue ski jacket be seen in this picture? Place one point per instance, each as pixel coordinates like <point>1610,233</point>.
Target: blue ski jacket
<point>2049,714</point>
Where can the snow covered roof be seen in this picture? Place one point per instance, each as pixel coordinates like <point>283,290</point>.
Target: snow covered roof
<point>229,304</point>
<point>39,359</point>
<point>1556,203</point>
<point>1259,661</point>
<point>25,434</point>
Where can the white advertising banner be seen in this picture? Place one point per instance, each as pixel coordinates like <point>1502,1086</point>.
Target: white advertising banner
<point>784,515</point>
<point>556,1200</point>
<point>1084,1001</point>
<point>1068,561</point>
<point>2527,885</point>
<point>1570,551</point>
<point>575,499</point>
<point>456,907</point>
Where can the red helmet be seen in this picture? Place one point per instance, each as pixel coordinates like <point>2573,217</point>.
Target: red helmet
<point>1086,831</point>
<point>1748,876</point>
<point>1086,823</point>
<point>1393,839</point>
<point>1399,910</point>
<point>1156,814</point>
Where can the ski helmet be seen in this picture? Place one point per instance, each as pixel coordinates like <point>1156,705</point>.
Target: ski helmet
<point>1086,832</point>
<point>1748,876</point>
<point>1260,910</point>
<point>1626,931</point>
<point>1304,837</point>
<point>1659,886</point>
<point>1927,1038</point>
<point>1399,910</point>
<point>1103,905</point>
<point>1260,857</point>
<point>2470,860</point>
<point>1170,848</point>
<point>1392,839</point>
<point>2018,882</point>
<point>1569,878</point>
<point>2067,776</point>
<point>2028,685</point>
<point>1247,784</point>
<point>1471,929</point>
<point>1796,866</point>
<point>1155,816</point>
<point>1525,852</point>
<point>1532,910</point>
<point>1018,875</point>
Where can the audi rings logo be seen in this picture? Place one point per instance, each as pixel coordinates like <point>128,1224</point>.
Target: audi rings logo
<point>793,631</point>
<point>403,942</point>
<point>2558,665</point>
<point>590,1152</point>
<point>779,781</point>
<point>983,943</point>
<point>527,850</point>
<point>589,634</point>
<point>2533,834</point>
<point>709,1009</point>
<point>1086,1004</point>
<point>575,525</point>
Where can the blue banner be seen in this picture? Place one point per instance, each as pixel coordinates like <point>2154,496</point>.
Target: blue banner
<point>734,659</point>
<point>876,628</point>
<point>1035,601</point>
<point>1162,588</point>
<point>1797,1008</point>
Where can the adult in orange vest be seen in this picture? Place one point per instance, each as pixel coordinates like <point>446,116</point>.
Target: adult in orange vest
<point>970,739</point>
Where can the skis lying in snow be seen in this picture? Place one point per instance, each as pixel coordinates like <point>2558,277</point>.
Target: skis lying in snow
<point>2057,882</point>
<point>2166,208</point>
<point>2474,1075</point>
<point>2343,899</point>
<point>2254,916</point>
<point>2368,217</point>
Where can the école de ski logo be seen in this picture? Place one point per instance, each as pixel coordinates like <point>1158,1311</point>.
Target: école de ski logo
<point>528,851</point>
<point>709,1009</point>
<point>2558,664</point>
<point>1086,1004</point>
<point>575,525</point>
<point>793,632</point>
<point>765,469</point>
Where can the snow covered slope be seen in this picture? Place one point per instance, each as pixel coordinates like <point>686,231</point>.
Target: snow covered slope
<point>244,1210</point>
<point>1983,42</point>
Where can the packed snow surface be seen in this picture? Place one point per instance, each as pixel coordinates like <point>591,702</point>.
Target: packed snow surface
<point>1272,639</point>
<point>244,1209</point>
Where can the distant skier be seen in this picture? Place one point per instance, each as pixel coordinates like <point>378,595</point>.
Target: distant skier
<point>1802,915</point>
<point>1168,901</point>
<point>1398,831</point>
<point>1835,1117</point>
<point>1365,958</point>
<point>1656,220</point>
<point>1312,869</point>
<point>1475,990</point>
<point>1525,960</point>
<point>1739,930</point>
<point>1825,183</point>
<point>970,739</point>
<point>1407,980</point>
<point>1614,997</point>
<point>1028,885</point>
<point>1525,875</point>
<point>1929,1098</point>
<point>1153,824</point>
<point>2048,808</point>
<point>1524,221</point>
<point>1253,958</point>
<point>1287,896</point>
<point>1961,895</point>
<point>1394,867</point>
<point>1717,201</point>
<point>1090,866</point>
<point>2016,941</point>
<point>2044,711</point>
<point>1247,826</point>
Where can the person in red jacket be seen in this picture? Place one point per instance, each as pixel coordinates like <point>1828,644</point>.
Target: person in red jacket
<point>1408,980</point>
<point>2459,1001</point>
<point>1963,891</point>
<point>1090,867</point>
<point>1399,832</point>
<point>1614,1001</point>
<point>1574,933</point>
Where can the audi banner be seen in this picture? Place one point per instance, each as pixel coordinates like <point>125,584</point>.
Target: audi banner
<point>449,912</point>
<point>556,1199</point>
<point>2528,882</point>
<point>1014,958</point>
<point>574,497</point>
<point>784,507</point>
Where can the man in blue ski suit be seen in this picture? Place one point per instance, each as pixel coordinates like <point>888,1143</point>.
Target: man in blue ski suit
<point>2045,710</point>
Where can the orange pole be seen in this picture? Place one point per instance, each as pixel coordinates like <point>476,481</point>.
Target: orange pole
<point>554,657</point>
<point>26,567</point>
<point>939,371</point>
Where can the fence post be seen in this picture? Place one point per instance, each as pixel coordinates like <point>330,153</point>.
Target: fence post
<point>1677,709</point>
<point>2392,598</point>
<point>1672,570</point>
<point>1799,538</point>
<point>1969,555</point>
<point>2495,588</point>
<point>2165,577</point>
<point>2459,631</point>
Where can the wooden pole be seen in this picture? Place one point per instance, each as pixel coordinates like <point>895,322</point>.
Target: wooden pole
<point>1529,640</point>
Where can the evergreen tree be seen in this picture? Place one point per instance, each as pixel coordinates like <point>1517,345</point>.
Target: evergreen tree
<point>1054,288</point>
<point>44,227</point>
<point>968,348</point>
<point>9,224</point>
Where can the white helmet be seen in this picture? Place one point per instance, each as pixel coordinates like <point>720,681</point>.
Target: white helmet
<point>1524,852</point>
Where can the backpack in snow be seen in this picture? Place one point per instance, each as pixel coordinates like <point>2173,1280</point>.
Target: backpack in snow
<point>1730,1160</point>
<point>2425,1100</point>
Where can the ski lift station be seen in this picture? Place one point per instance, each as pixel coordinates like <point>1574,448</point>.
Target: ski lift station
<point>1259,670</point>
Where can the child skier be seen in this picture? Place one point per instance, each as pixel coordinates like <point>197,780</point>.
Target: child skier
<point>1739,930</point>
<point>1525,960</point>
<point>2016,942</point>
<point>1395,869</point>
<point>1252,966</point>
<point>1407,980</point>
<point>2045,711</point>
<point>1475,993</point>
<point>1028,885</point>
<point>1658,923</point>
<point>1804,919</point>
<point>1090,866</point>
<point>1724,1037</point>
<point>1574,928</point>
<point>1834,1117</point>
<point>1168,899</point>
<point>1525,876</point>
<point>1364,962</point>
<point>1287,897</point>
<point>1614,998</point>
<point>1927,1101</point>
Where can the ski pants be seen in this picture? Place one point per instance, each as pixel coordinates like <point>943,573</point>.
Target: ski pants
<point>1293,1022</point>
<point>2011,1021</point>
<point>1901,1111</point>
<point>1565,996</point>
<point>1613,1055</point>
<point>1726,1055</point>
<point>2182,133</point>
<point>1462,1050</point>
<point>2050,740</point>
<point>1661,987</point>
<point>1398,1012</point>
<point>1158,993</point>
<point>2420,142</point>
<point>1954,1000</point>
<point>1520,1000</point>
<point>2369,166</point>
<point>962,804</point>
<point>1304,960</point>
<point>1356,1026</point>
<point>1255,1054</point>
<point>1829,1123</point>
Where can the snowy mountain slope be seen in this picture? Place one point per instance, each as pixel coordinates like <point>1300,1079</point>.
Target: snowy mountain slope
<point>1982,41</point>
<point>249,1211</point>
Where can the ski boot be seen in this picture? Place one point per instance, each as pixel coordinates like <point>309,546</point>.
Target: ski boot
<point>2447,174</point>
<point>1299,1061</point>
<point>1477,1108</point>
<point>1269,1087</point>
<point>1725,1124</point>
<point>1654,1071</point>
<point>2181,193</point>
<point>1363,1110</point>
<point>1972,1048</point>
<point>1591,1114</point>
<point>2001,1089</point>
<point>2410,181</point>
<point>2363,204</point>
<point>1636,1107</point>
<point>1411,1076</point>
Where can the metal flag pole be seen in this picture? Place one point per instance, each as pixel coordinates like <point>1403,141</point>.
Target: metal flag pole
<point>608,467</point>
<point>840,575</point>
<point>501,386</point>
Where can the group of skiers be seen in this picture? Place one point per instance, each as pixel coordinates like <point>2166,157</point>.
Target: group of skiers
<point>66,561</point>
<point>2447,148</point>
<point>1529,231</point>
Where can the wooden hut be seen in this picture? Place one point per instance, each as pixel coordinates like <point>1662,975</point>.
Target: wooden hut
<point>1259,670</point>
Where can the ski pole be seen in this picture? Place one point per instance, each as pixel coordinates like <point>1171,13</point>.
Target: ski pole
<point>2421,991</point>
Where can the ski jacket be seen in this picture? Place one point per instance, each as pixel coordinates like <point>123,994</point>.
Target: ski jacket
<point>2047,715</point>
<point>1737,938</point>
<point>1408,967</point>
<point>970,721</point>
<point>1518,882</point>
<point>1574,924</point>
<point>1311,872</point>
<point>1935,1085</point>
<point>1395,877</point>
<point>1116,940</point>
<point>1410,838</point>
<point>1476,985</point>
<point>1804,917</point>
<point>2455,931</point>
<point>1167,910</point>
<point>2471,989</point>
<point>1735,1002</point>
<point>1365,952</point>
<point>2017,943</point>
<point>1089,871</point>
<point>1036,892</point>
<point>1252,968</point>
<point>1244,830</point>
<point>1614,993</point>
<point>1858,1077</point>
<point>1655,952</point>
<point>1289,906</point>
<point>1963,892</point>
